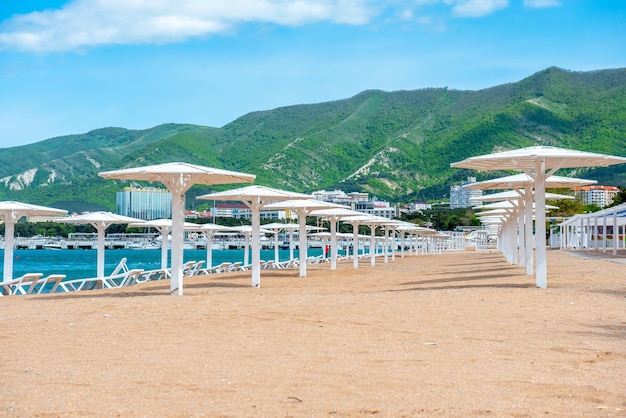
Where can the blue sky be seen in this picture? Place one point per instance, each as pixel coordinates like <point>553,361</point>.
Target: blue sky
<point>68,67</point>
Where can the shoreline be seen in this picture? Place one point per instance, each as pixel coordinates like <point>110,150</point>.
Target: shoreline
<point>461,333</point>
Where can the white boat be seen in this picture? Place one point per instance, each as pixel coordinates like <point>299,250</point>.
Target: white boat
<point>52,245</point>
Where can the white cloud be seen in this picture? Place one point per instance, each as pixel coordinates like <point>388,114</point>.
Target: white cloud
<point>89,23</point>
<point>477,8</point>
<point>84,23</point>
<point>542,3</point>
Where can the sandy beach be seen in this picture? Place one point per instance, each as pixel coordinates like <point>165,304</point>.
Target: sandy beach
<point>457,334</point>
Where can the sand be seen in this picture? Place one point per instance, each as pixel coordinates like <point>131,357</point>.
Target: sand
<point>458,334</point>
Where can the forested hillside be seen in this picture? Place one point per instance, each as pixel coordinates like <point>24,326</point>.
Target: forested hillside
<point>396,145</point>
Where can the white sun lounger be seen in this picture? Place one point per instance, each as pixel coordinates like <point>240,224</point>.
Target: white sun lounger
<point>16,286</point>
<point>38,286</point>
<point>108,282</point>
<point>152,275</point>
<point>192,268</point>
<point>234,267</point>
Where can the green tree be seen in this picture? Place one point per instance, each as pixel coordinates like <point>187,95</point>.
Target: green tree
<point>619,198</point>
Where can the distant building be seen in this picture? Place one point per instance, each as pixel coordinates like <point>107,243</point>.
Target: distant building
<point>419,206</point>
<point>359,202</point>
<point>146,204</point>
<point>231,210</point>
<point>600,195</point>
<point>376,208</point>
<point>338,197</point>
<point>241,211</point>
<point>460,196</point>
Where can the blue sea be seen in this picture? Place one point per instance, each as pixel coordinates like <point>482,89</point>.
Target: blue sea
<point>78,264</point>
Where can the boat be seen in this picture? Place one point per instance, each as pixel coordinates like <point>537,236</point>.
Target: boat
<point>52,245</point>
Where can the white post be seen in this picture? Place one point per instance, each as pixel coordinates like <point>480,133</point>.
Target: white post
<point>386,245</point>
<point>528,230</point>
<point>246,249</point>
<point>521,245</point>
<point>615,233</point>
<point>302,242</point>
<point>291,244</point>
<point>276,257</point>
<point>178,238</point>
<point>256,241</point>
<point>540,222</point>
<point>100,251</point>
<point>604,233</point>
<point>165,231</point>
<point>355,245</point>
<point>595,233</point>
<point>9,242</point>
<point>587,234</point>
<point>209,249</point>
<point>333,243</point>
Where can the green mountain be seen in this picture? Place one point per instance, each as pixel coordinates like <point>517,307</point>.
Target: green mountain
<point>395,145</point>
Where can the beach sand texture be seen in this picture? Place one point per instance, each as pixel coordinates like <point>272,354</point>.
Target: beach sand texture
<point>458,334</point>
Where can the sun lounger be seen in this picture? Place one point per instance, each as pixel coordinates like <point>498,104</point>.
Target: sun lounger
<point>223,267</point>
<point>52,279</point>
<point>188,267</point>
<point>193,269</point>
<point>234,267</point>
<point>120,268</point>
<point>268,265</point>
<point>150,275</point>
<point>108,282</point>
<point>314,260</point>
<point>16,286</point>
<point>288,264</point>
<point>131,278</point>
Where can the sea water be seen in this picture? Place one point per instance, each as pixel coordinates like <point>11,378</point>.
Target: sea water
<point>80,264</point>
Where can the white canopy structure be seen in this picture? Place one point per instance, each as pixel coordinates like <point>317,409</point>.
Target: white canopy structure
<point>519,181</point>
<point>178,177</point>
<point>513,195</point>
<point>164,226</point>
<point>584,230</point>
<point>246,231</point>
<point>209,230</point>
<point>539,163</point>
<point>256,198</point>
<point>333,215</point>
<point>10,213</point>
<point>303,208</point>
<point>101,221</point>
<point>372,222</point>
<point>522,184</point>
<point>276,227</point>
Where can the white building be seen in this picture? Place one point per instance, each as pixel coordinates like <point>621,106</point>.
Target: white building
<point>241,211</point>
<point>419,206</point>
<point>359,202</point>
<point>147,204</point>
<point>461,197</point>
<point>600,195</point>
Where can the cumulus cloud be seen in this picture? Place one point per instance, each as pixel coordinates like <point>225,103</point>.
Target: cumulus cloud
<point>82,23</point>
<point>541,3</point>
<point>476,8</point>
<point>90,23</point>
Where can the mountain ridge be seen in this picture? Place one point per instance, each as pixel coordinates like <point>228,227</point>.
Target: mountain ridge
<point>396,145</point>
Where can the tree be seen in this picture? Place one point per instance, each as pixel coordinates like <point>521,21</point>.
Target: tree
<point>619,198</point>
